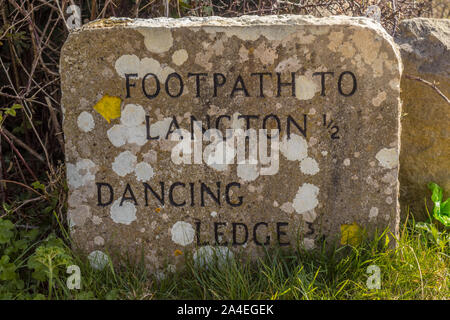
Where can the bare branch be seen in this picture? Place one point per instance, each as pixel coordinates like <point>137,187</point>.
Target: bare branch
<point>430,84</point>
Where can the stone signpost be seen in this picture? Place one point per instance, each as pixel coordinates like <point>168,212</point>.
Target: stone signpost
<point>214,135</point>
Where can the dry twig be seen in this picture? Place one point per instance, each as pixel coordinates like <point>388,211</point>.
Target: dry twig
<point>430,84</point>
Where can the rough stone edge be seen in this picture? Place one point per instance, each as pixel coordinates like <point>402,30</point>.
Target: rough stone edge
<point>414,43</point>
<point>243,21</point>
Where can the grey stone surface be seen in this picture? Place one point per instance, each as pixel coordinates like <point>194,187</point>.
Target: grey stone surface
<point>336,173</point>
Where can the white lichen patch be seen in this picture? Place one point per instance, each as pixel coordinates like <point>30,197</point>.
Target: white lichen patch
<point>79,215</point>
<point>265,54</point>
<point>292,63</point>
<point>243,54</point>
<point>124,163</point>
<point>85,121</point>
<point>305,88</point>
<point>247,172</point>
<point>373,213</point>
<point>306,198</point>
<point>124,214</point>
<point>98,260</point>
<point>252,34</point>
<point>287,207</point>
<point>171,268</point>
<point>295,148</point>
<point>394,84</point>
<point>379,99</point>
<point>143,171</point>
<point>150,65</point>
<point>372,182</point>
<point>203,57</point>
<point>99,241</point>
<point>337,44</point>
<point>150,157</point>
<point>97,220</point>
<point>182,233</point>
<point>131,129</point>
<point>179,57</point>
<point>81,174</point>
<point>132,115</point>
<point>368,46</point>
<point>387,158</point>
<point>310,216</point>
<point>309,243</point>
<point>390,178</point>
<point>127,64</point>
<point>208,255</point>
<point>335,40</point>
<point>309,166</point>
<point>107,73</point>
<point>117,135</point>
<point>157,40</point>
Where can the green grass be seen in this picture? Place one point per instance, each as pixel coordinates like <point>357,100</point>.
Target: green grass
<point>416,269</point>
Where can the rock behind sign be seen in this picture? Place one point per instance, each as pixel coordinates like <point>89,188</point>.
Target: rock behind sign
<point>325,90</point>
<point>425,148</point>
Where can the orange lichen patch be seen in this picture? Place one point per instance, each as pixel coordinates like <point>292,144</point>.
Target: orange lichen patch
<point>351,234</point>
<point>158,210</point>
<point>178,253</point>
<point>109,107</point>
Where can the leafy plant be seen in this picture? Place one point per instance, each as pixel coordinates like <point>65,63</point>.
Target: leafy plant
<point>14,246</point>
<point>49,260</point>
<point>6,231</point>
<point>11,111</point>
<point>26,262</point>
<point>441,210</point>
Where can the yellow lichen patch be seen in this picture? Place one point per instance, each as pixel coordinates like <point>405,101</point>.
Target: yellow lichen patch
<point>351,234</point>
<point>177,253</point>
<point>108,107</point>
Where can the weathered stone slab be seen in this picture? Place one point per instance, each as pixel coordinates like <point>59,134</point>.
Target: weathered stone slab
<point>329,86</point>
<point>425,146</point>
